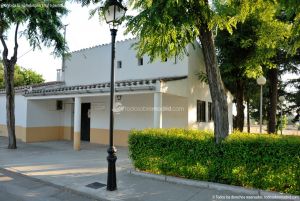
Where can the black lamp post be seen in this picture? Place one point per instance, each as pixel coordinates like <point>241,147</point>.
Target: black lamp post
<point>114,13</point>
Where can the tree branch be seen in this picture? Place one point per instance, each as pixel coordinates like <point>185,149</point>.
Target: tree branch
<point>14,57</point>
<point>5,52</point>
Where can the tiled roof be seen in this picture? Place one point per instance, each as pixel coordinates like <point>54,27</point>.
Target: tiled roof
<point>35,86</point>
<point>125,85</point>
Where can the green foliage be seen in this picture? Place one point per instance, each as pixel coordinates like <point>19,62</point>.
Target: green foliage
<point>42,19</point>
<point>88,2</point>
<point>281,123</point>
<point>22,77</point>
<point>166,27</point>
<point>252,44</point>
<point>293,97</point>
<point>202,76</point>
<point>269,162</point>
<point>258,44</point>
<point>292,8</point>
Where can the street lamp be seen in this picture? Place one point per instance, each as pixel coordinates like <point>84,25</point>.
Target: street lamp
<point>261,80</point>
<point>113,12</point>
<point>281,100</point>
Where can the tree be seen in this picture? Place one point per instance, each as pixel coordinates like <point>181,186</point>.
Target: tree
<point>285,63</point>
<point>285,58</point>
<point>290,88</point>
<point>234,52</point>
<point>292,10</point>
<point>22,77</point>
<point>42,21</point>
<point>261,40</point>
<point>292,92</point>
<point>165,28</point>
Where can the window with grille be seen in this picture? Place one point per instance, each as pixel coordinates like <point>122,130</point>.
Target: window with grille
<point>210,112</point>
<point>201,111</point>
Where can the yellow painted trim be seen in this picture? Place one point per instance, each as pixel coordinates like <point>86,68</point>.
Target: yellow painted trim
<point>77,141</point>
<point>3,130</point>
<point>68,133</point>
<point>20,132</point>
<point>40,134</point>
<point>101,136</point>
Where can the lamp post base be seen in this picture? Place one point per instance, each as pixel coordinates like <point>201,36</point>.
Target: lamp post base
<point>111,176</point>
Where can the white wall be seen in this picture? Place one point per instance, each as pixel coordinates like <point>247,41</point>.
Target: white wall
<point>99,111</point>
<point>68,113</point>
<point>43,113</point>
<point>138,113</point>
<point>176,87</point>
<point>124,120</point>
<point>93,65</point>
<point>2,110</point>
<point>20,110</point>
<point>177,118</point>
<point>197,90</point>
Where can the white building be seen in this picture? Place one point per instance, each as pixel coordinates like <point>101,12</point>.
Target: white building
<point>160,95</point>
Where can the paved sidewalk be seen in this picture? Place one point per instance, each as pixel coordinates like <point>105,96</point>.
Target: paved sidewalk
<point>56,162</point>
<point>17,187</point>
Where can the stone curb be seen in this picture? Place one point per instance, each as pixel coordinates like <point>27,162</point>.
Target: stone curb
<point>64,188</point>
<point>210,185</point>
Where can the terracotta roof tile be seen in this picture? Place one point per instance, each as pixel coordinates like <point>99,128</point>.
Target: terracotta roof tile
<point>129,85</point>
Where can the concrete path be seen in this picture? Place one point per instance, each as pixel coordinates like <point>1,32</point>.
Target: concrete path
<point>56,162</point>
<point>17,187</point>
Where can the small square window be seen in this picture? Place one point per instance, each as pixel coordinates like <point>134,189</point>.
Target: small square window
<point>119,64</point>
<point>140,61</point>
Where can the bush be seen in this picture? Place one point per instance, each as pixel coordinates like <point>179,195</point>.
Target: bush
<point>268,162</point>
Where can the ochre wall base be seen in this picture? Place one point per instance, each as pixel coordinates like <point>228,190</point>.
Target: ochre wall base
<point>101,136</point>
<point>77,140</point>
<point>40,134</point>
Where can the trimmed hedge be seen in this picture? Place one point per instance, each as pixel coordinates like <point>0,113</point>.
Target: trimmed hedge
<point>269,162</point>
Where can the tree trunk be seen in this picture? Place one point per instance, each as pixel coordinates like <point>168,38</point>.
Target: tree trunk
<point>248,116</point>
<point>240,104</point>
<point>9,71</point>
<point>273,92</point>
<point>216,86</point>
<point>10,103</point>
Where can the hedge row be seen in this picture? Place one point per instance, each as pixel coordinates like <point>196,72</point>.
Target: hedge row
<point>269,162</point>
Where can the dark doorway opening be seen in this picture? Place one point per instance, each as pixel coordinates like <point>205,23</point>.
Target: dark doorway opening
<point>85,121</point>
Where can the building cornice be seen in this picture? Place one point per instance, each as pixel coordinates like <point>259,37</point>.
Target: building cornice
<point>125,85</point>
<point>22,89</point>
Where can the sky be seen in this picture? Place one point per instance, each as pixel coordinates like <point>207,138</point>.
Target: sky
<point>82,32</point>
